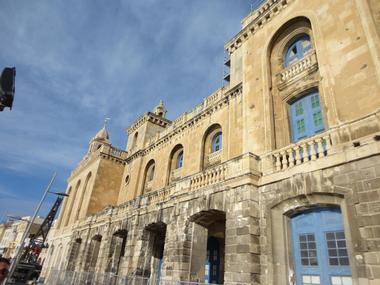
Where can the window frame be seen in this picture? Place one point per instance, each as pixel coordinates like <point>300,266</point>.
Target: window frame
<point>179,160</point>
<point>307,115</point>
<point>217,146</point>
<point>301,52</point>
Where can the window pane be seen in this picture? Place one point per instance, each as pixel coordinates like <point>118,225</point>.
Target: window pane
<point>337,250</point>
<point>308,250</point>
<point>299,108</point>
<point>341,280</point>
<point>311,280</point>
<point>330,236</point>
<point>301,126</point>
<point>217,142</point>
<point>315,101</point>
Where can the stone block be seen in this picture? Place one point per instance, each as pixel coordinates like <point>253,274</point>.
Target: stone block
<point>368,173</point>
<point>371,184</point>
<point>372,258</point>
<point>369,196</point>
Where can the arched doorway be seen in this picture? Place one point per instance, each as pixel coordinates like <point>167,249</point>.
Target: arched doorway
<point>117,251</point>
<point>208,246</point>
<point>155,235</point>
<point>319,247</point>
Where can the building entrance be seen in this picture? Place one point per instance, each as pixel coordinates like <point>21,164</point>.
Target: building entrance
<point>320,248</point>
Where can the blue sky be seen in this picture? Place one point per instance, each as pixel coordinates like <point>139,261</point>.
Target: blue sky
<point>78,62</point>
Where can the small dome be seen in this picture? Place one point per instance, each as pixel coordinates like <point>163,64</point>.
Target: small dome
<point>102,134</point>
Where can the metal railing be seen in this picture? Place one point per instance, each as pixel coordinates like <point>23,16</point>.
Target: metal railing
<point>60,277</point>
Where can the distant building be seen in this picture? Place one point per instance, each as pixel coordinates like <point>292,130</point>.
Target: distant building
<point>13,233</point>
<point>3,228</point>
<point>272,179</point>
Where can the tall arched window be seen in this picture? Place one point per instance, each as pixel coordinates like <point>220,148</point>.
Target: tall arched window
<point>81,199</point>
<point>175,163</point>
<point>291,46</point>
<point>212,145</point>
<point>306,118</point>
<point>297,49</point>
<point>149,175</point>
<point>71,204</point>
<point>62,215</point>
<point>134,142</point>
<point>216,144</point>
<point>179,162</point>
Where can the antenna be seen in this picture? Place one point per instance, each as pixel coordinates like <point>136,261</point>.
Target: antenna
<point>106,120</point>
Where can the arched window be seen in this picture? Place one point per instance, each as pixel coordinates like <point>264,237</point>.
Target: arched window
<point>297,50</point>
<point>69,213</point>
<point>149,175</point>
<point>179,162</point>
<point>175,163</point>
<point>216,142</point>
<point>134,142</point>
<point>212,146</point>
<point>306,118</point>
<point>80,206</point>
<point>64,209</point>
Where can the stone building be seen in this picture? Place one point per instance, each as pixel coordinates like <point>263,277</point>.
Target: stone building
<point>13,232</point>
<point>272,179</point>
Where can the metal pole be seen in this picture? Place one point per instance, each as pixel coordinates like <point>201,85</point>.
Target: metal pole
<point>16,259</point>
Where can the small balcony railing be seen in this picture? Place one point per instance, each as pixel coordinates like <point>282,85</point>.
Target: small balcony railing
<point>297,70</point>
<point>176,174</point>
<point>214,157</point>
<point>302,152</point>
<point>208,177</point>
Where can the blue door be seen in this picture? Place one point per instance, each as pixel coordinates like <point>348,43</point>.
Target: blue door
<point>212,266</point>
<point>306,118</point>
<point>319,248</point>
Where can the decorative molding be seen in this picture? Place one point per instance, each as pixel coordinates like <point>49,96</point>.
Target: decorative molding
<point>209,106</point>
<point>148,117</point>
<point>261,16</point>
<point>105,151</point>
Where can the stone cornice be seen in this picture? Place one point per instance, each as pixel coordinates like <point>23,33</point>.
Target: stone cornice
<point>106,152</point>
<point>148,117</point>
<point>260,16</point>
<point>210,105</point>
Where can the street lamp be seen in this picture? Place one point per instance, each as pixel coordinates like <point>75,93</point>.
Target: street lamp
<point>19,251</point>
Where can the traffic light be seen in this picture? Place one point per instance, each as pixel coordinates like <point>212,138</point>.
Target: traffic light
<point>7,87</point>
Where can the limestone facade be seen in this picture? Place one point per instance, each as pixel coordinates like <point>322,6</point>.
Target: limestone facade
<point>223,185</point>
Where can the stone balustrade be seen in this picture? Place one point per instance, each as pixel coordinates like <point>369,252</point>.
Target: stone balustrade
<point>176,174</point>
<point>148,186</point>
<point>308,64</point>
<point>213,98</point>
<point>214,157</point>
<point>301,152</point>
<point>156,196</point>
<point>208,177</point>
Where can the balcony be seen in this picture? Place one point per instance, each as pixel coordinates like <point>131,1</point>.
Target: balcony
<point>214,158</point>
<point>340,144</point>
<point>176,174</point>
<point>298,70</point>
<point>148,186</point>
<point>301,152</point>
